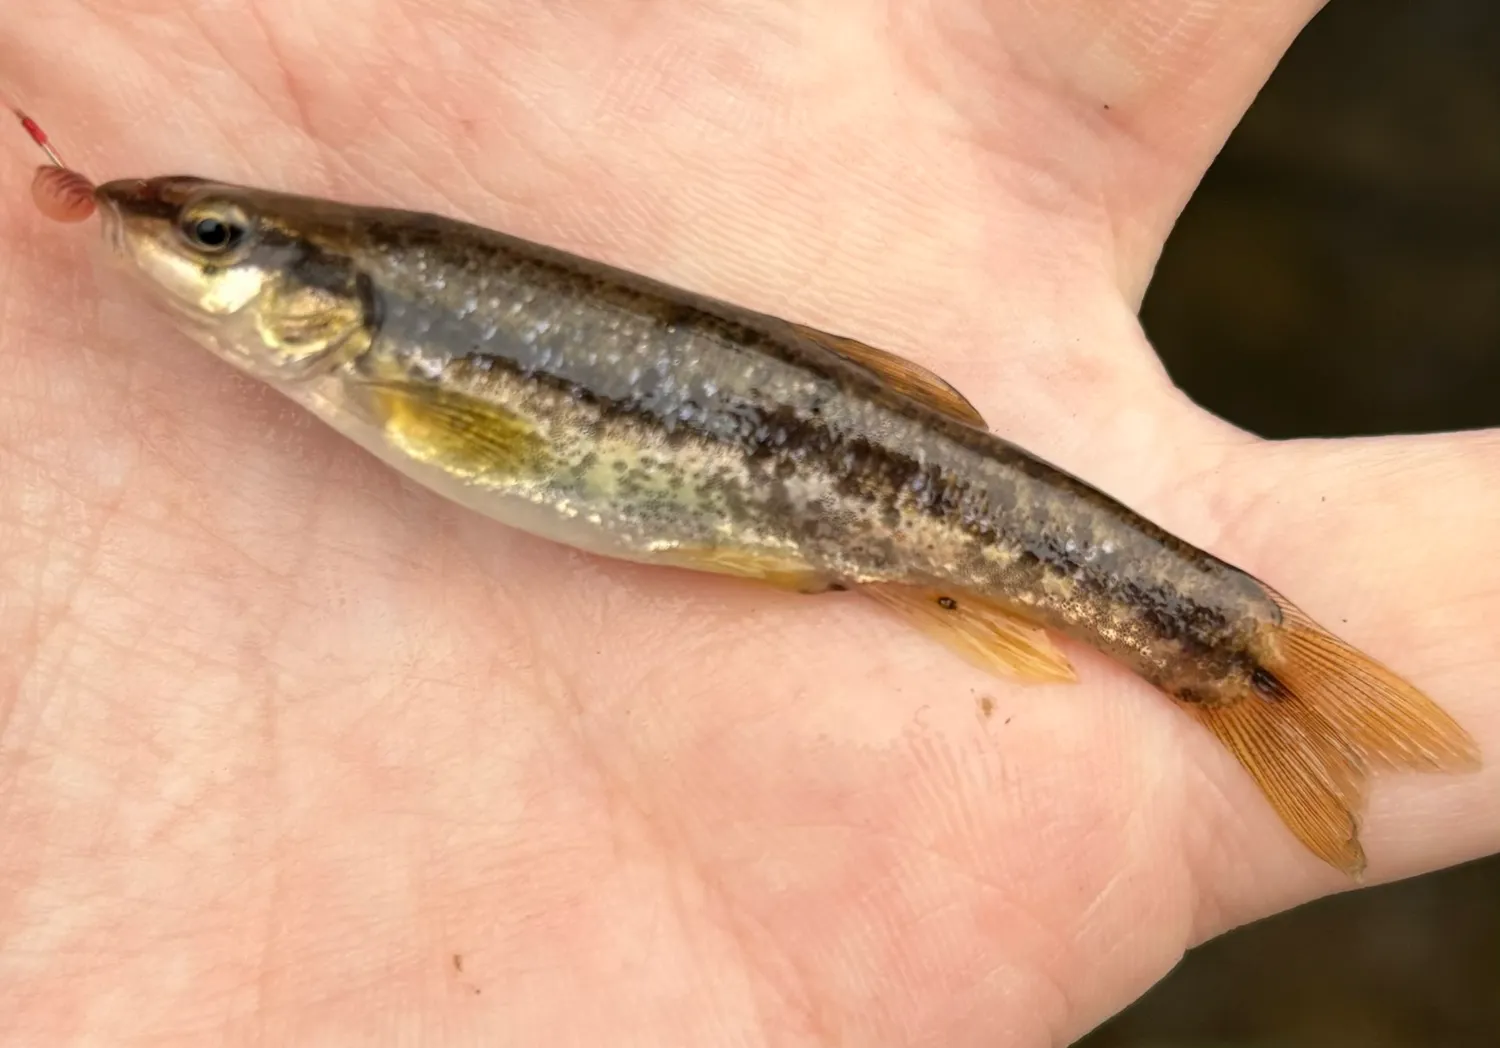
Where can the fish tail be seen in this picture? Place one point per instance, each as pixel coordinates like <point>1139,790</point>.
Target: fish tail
<point>1318,718</point>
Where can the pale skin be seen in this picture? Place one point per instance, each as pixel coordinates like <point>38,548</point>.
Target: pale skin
<point>292,752</point>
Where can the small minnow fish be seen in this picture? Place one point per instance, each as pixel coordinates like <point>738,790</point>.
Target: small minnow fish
<point>635,420</point>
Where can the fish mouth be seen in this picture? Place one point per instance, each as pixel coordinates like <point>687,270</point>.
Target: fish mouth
<point>112,225</point>
<point>125,254</point>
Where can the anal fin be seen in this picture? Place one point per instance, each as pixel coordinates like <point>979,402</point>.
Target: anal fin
<point>984,633</point>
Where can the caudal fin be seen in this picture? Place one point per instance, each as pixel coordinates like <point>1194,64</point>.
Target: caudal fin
<point>1321,717</point>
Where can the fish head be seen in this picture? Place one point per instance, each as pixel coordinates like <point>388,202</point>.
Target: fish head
<point>259,278</point>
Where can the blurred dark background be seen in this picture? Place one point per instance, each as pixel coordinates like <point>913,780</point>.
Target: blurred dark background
<point>1338,274</point>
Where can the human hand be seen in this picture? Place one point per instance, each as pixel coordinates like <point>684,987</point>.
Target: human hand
<point>293,752</point>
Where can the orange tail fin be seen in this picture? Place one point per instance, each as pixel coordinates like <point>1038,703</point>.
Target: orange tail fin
<point>1323,716</point>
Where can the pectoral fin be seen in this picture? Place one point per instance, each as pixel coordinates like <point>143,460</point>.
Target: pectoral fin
<point>900,374</point>
<point>983,633</point>
<point>463,435</point>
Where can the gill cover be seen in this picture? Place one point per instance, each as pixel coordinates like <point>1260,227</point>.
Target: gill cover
<point>303,323</point>
<point>265,287</point>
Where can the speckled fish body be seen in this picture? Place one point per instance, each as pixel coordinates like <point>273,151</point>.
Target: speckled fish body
<point>658,421</point>
<point>666,423</point>
<point>628,418</point>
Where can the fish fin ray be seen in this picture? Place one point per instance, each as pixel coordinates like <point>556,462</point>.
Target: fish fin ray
<point>1323,716</point>
<point>1312,781</point>
<point>984,633</point>
<point>1389,723</point>
<point>462,434</point>
<point>905,376</point>
<point>786,573</point>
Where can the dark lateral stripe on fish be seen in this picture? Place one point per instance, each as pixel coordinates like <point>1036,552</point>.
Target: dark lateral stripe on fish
<point>975,540</point>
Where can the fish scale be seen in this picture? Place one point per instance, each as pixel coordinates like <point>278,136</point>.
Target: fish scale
<point>632,419</point>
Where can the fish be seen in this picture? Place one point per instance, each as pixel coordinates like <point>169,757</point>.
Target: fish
<point>628,418</point>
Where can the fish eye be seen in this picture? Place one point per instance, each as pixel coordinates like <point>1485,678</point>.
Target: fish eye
<point>213,230</point>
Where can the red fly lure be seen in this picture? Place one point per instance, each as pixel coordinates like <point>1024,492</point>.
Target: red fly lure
<point>60,193</point>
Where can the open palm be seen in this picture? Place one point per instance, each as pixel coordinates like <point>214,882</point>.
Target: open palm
<point>292,752</point>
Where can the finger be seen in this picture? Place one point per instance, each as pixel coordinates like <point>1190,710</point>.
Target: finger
<point>1177,76</point>
<point>1158,85</point>
<point>1388,543</point>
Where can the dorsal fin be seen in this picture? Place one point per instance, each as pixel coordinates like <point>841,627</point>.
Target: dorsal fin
<point>901,374</point>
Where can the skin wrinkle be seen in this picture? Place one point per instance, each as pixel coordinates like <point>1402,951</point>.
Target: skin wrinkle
<point>101,531</point>
<point>769,961</point>
<point>226,143</point>
<point>713,909</point>
<point>724,915</point>
<point>1146,147</point>
<point>1134,264</point>
<point>801,1013</point>
<point>1192,493</point>
<point>269,760</point>
<point>90,549</point>
<point>1221,851</point>
<point>301,113</point>
<point>1065,192</point>
<point>946,859</point>
<point>1214,906</point>
<point>570,713</point>
<point>825,1026</point>
<point>27,641</point>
